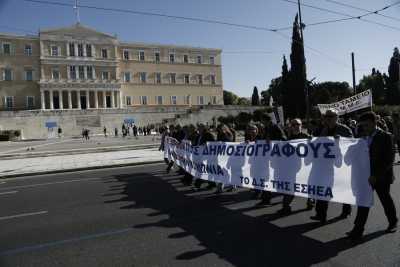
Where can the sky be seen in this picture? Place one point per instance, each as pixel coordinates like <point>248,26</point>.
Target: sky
<point>250,57</point>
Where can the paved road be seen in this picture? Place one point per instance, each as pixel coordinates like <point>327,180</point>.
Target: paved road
<point>140,216</point>
<point>69,144</point>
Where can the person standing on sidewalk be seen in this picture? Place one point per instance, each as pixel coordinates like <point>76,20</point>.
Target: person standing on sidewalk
<point>381,157</point>
<point>105,131</point>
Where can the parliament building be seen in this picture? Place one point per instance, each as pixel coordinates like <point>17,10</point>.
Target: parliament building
<point>76,68</point>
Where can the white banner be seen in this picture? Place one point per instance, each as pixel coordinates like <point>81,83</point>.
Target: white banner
<point>353,103</point>
<point>322,168</point>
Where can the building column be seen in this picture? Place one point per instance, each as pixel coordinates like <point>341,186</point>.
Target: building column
<point>121,100</point>
<point>85,72</point>
<point>60,99</point>
<point>112,99</point>
<point>51,99</point>
<point>77,72</point>
<point>42,73</point>
<point>94,73</point>
<point>42,100</point>
<point>76,49</point>
<point>87,99</point>
<point>96,99</point>
<point>69,99</point>
<point>78,96</point>
<point>104,99</point>
<point>84,50</point>
<point>67,49</point>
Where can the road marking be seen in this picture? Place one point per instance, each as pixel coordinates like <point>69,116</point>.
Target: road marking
<point>62,242</point>
<point>44,184</point>
<point>23,215</point>
<point>7,193</point>
<point>2,182</point>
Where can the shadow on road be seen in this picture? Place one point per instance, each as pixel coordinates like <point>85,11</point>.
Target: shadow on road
<point>239,239</point>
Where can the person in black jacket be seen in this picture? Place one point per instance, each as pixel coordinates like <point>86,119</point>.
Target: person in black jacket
<point>294,132</point>
<point>381,157</point>
<point>204,136</point>
<point>335,129</point>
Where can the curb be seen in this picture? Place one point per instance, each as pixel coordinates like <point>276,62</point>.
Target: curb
<point>75,151</point>
<point>81,169</point>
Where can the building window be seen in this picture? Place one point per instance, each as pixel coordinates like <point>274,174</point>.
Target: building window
<point>141,55</point>
<point>214,100</point>
<point>80,50</point>
<point>55,74</point>
<point>89,50</point>
<point>173,100</point>
<point>187,100</point>
<point>200,79</point>
<point>30,102</point>
<point>200,100</point>
<point>28,50</point>
<point>72,49</point>
<point>127,77</point>
<point>54,50</point>
<point>89,72</point>
<point>212,79</point>
<point>173,78</point>
<point>9,102</point>
<point>142,76</point>
<point>7,49</point>
<point>143,100</point>
<point>72,72</point>
<point>28,75</point>
<point>104,75</point>
<point>198,59</point>
<point>104,53</point>
<point>157,56</point>
<point>126,54</point>
<point>172,58</point>
<point>158,77</point>
<point>212,60</point>
<point>81,71</point>
<point>7,75</point>
<point>128,100</point>
<point>185,59</point>
<point>159,100</point>
<point>187,78</point>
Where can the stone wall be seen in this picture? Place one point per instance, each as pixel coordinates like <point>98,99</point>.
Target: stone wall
<point>34,124</point>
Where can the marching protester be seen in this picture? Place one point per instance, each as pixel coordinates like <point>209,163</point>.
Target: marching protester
<point>334,129</point>
<point>396,130</point>
<point>381,164</point>
<point>224,134</point>
<point>295,132</point>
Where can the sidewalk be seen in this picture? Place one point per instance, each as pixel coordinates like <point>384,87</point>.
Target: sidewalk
<point>63,163</point>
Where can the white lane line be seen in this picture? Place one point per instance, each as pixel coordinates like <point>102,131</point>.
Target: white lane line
<point>2,182</point>
<point>23,215</point>
<point>44,184</point>
<point>7,193</point>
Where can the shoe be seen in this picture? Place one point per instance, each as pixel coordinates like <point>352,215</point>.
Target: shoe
<point>344,215</point>
<point>392,227</point>
<point>285,210</point>
<point>355,235</point>
<point>318,218</point>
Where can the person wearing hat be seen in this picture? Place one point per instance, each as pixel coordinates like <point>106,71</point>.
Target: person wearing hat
<point>381,156</point>
<point>335,129</point>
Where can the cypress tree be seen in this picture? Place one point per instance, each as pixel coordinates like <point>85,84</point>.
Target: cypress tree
<point>255,98</point>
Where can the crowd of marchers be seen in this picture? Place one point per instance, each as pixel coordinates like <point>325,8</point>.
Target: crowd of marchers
<point>382,135</point>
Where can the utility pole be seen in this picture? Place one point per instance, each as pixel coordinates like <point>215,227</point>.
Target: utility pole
<point>76,7</point>
<point>304,63</point>
<point>354,73</point>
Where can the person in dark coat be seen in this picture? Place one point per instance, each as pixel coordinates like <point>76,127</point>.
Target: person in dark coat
<point>335,129</point>
<point>381,157</point>
<point>294,132</point>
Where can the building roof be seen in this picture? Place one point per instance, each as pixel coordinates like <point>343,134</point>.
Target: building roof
<point>76,29</point>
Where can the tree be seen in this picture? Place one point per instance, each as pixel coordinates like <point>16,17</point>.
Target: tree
<point>392,93</point>
<point>296,88</point>
<point>255,98</point>
<point>376,83</point>
<point>328,92</point>
<point>243,101</point>
<point>230,98</point>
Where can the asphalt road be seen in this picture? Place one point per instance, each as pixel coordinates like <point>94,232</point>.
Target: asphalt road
<point>140,216</point>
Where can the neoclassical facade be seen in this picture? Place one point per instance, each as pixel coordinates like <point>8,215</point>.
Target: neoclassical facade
<point>79,68</point>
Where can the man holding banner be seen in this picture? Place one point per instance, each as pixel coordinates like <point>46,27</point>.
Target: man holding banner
<point>382,176</point>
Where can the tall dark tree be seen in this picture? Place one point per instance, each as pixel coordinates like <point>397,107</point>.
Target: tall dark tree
<point>255,98</point>
<point>392,92</point>
<point>230,98</point>
<point>286,100</point>
<point>376,83</point>
<point>297,74</point>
